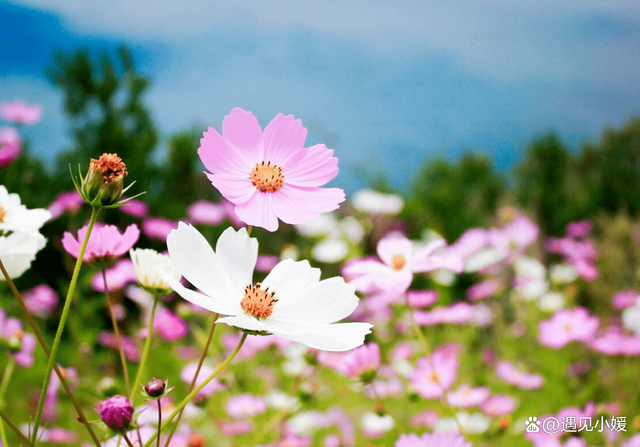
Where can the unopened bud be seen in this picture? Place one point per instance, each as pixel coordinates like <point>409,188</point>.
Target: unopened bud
<point>155,387</point>
<point>105,179</point>
<point>196,440</point>
<point>116,412</point>
<point>92,183</point>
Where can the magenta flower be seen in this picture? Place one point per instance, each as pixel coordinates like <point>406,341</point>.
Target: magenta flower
<point>135,208</point>
<point>398,262</point>
<point>436,374</point>
<point>170,326</point>
<point>116,412</point>
<point>20,112</point>
<point>118,276</point>
<point>19,345</point>
<point>10,145</point>
<point>41,301</point>
<point>507,372</point>
<point>158,228</point>
<point>105,243</point>
<point>432,440</point>
<point>362,362</point>
<point>422,298</point>
<point>270,175</point>
<point>566,326</point>
<point>65,201</point>
<point>108,340</point>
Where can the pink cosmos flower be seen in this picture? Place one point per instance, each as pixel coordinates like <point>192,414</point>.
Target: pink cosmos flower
<point>435,374</point>
<point>466,396</point>
<point>105,243</point>
<point>189,371</point>
<point>118,276</point>
<point>624,299</point>
<point>579,229</point>
<point>108,340</point>
<point>246,405</point>
<point>507,372</point>
<point>362,361</point>
<point>65,201</point>
<point>613,342</point>
<point>135,208</point>
<point>498,405</point>
<point>399,262</point>
<point>484,289</point>
<point>458,313</point>
<point>236,428</point>
<point>158,228</point>
<point>568,325</point>
<point>425,418</point>
<point>21,112</point>
<point>432,440</point>
<point>10,145</point>
<point>41,300</point>
<point>422,298</point>
<point>19,345</point>
<point>208,213</point>
<point>170,326</point>
<point>50,411</point>
<point>387,383</point>
<point>270,175</point>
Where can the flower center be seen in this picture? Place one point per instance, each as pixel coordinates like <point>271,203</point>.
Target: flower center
<point>258,302</point>
<point>567,327</point>
<point>111,166</point>
<point>433,377</point>
<point>3,214</point>
<point>398,262</point>
<point>267,177</point>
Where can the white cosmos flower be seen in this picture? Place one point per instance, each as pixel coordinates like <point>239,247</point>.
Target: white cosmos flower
<point>18,250</point>
<point>16,217</point>
<point>291,302</point>
<point>145,261</point>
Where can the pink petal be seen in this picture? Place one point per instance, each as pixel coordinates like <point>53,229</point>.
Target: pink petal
<point>241,129</point>
<point>394,245</point>
<point>70,244</point>
<point>234,188</point>
<point>295,205</point>
<point>220,157</point>
<point>282,137</point>
<point>257,211</point>
<point>127,240</point>
<point>314,166</point>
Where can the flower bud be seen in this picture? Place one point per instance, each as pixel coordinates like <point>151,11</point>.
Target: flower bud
<point>104,180</point>
<point>196,440</point>
<point>155,388</point>
<point>116,412</point>
<point>14,344</point>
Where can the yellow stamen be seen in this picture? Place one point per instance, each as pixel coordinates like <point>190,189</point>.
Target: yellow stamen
<point>3,214</point>
<point>267,177</point>
<point>258,302</point>
<point>398,262</point>
<point>111,166</point>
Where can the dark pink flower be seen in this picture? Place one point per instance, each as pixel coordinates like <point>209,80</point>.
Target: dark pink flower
<point>116,412</point>
<point>158,228</point>
<point>435,374</point>
<point>41,300</point>
<point>106,243</point>
<point>10,145</point>
<point>108,340</point>
<point>169,325</point>
<point>270,175</point>
<point>65,201</point>
<point>135,208</point>
<point>432,440</point>
<point>118,276</point>
<point>579,229</point>
<point>20,345</point>
<point>20,112</point>
<point>566,326</point>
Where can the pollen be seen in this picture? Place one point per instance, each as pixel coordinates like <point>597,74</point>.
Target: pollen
<point>111,167</point>
<point>267,177</point>
<point>258,302</point>
<point>398,262</point>
<point>433,377</point>
<point>3,214</point>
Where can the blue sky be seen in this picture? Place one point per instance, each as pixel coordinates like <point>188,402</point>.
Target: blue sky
<point>385,84</point>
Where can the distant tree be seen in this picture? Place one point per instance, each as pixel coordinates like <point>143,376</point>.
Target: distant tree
<point>104,99</point>
<point>454,196</point>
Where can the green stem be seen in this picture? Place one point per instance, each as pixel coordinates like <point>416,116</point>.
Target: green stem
<point>23,438</point>
<point>43,344</point>
<point>145,351</point>
<point>427,351</point>
<point>6,377</point>
<point>61,324</point>
<point>195,376</point>
<point>116,329</point>
<point>193,393</point>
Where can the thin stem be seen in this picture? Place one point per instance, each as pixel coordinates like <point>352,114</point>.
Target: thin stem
<point>23,438</point>
<point>195,376</point>
<point>43,344</point>
<point>126,438</point>
<point>61,324</point>
<point>6,377</point>
<point>193,393</point>
<point>159,420</point>
<point>116,329</point>
<point>145,351</point>
<point>427,351</point>
<point>249,228</point>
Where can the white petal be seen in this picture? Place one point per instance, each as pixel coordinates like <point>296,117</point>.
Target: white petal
<point>328,301</point>
<point>289,279</point>
<point>326,337</point>
<point>244,322</point>
<point>214,304</point>
<point>195,259</point>
<point>238,254</point>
